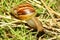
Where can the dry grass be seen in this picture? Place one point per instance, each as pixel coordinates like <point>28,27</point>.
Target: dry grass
<point>13,29</point>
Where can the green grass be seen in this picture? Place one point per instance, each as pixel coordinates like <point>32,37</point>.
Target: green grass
<point>14,29</point>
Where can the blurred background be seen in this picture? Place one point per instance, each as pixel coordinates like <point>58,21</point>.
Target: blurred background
<point>48,12</point>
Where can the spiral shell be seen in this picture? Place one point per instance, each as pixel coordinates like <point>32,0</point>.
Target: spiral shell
<point>24,11</point>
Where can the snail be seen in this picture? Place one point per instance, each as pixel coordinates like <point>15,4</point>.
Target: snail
<point>27,12</point>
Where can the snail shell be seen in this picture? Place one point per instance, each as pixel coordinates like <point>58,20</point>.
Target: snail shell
<point>24,11</point>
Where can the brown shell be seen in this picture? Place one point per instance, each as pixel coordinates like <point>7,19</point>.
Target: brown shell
<point>22,14</point>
